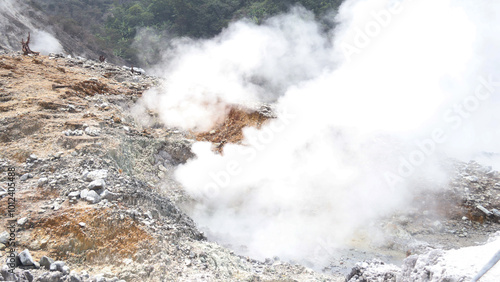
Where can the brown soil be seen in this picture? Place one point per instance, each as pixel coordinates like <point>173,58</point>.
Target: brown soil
<point>35,111</point>
<point>104,236</point>
<point>231,129</point>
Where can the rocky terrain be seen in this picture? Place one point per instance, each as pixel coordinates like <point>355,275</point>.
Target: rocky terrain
<point>95,199</point>
<point>93,188</point>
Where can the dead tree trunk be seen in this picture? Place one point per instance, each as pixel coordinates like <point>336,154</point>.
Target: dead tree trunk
<point>26,47</point>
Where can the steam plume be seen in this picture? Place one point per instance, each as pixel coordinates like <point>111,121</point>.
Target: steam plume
<point>45,43</point>
<point>365,115</point>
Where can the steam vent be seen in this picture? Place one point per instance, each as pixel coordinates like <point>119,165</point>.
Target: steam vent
<point>264,140</point>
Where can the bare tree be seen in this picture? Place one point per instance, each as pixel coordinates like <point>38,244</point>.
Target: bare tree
<point>26,47</point>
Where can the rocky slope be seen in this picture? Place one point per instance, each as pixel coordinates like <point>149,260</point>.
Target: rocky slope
<point>94,189</point>
<point>95,199</point>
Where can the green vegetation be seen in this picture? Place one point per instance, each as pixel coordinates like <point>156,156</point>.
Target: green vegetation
<point>115,23</point>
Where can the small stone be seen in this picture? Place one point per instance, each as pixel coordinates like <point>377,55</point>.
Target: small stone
<point>27,276</point>
<point>73,277</point>
<point>42,181</point>
<point>26,259</point>
<point>84,193</point>
<point>33,157</point>
<point>22,221</point>
<point>65,270</point>
<point>25,177</point>
<point>84,274</point>
<point>96,174</point>
<point>473,179</point>
<point>4,237</point>
<point>108,195</point>
<point>74,194</point>
<point>438,225</point>
<point>464,218</point>
<point>97,184</point>
<point>58,155</point>
<point>57,266</point>
<point>162,168</point>
<point>92,131</point>
<point>93,197</point>
<point>82,224</point>
<point>7,275</point>
<point>46,262</point>
<point>55,276</point>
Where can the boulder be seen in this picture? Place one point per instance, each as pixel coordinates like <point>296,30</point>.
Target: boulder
<point>26,259</point>
<point>97,184</point>
<point>46,262</point>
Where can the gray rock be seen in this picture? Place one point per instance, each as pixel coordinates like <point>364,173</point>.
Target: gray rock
<point>7,276</point>
<point>57,266</point>
<point>46,262</point>
<point>44,277</point>
<point>56,277</point>
<point>76,132</point>
<point>373,270</point>
<point>56,206</point>
<point>93,197</point>
<point>26,176</point>
<point>110,196</point>
<point>92,131</point>
<point>26,259</point>
<point>473,179</point>
<point>84,193</point>
<point>27,276</point>
<point>73,277</point>
<point>99,278</point>
<point>22,221</point>
<point>42,181</point>
<point>97,184</point>
<point>65,270</point>
<point>74,194</point>
<point>96,174</point>
<point>84,274</point>
<point>58,155</point>
<point>4,237</point>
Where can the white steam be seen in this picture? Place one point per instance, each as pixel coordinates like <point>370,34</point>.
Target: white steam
<point>244,64</point>
<point>45,43</point>
<point>364,116</point>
